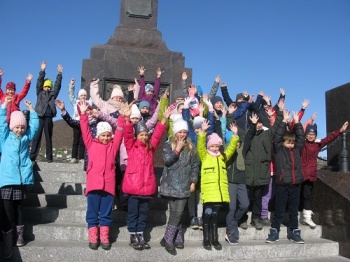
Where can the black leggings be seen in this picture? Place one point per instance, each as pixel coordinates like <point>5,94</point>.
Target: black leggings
<point>13,214</point>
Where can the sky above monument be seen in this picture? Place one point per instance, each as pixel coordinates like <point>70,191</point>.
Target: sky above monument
<point>301,46</point>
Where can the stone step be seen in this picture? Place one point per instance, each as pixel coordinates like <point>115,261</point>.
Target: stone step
<point>247,250</point>
<point>58,166</point>
<point>154,232</point>
<point>60,176</point>
<point>77,215</point>
<point>75,201</point>
<point>71,188</point>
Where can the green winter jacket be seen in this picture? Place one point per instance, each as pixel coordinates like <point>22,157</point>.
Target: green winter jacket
<point>214,184</point>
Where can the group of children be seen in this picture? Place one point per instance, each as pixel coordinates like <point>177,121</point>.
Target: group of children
<point>215,155</point>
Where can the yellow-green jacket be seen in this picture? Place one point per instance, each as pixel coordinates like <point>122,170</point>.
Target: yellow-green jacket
<point>214,185</point>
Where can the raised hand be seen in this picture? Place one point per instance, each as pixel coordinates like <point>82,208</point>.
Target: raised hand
<point>232,108</point>
<point>286,116</point>
<point>72,81</point>
<point>29,105</point>
<point>166,93</point>
<point>217,79</point>
<point>224,111</point>
<point>184,76</point>
<point>254,118</point>
<point>201,109</point>
<point>159,72</point>
<point>344,127</point>
<point>314,116</point>
<point>205,125</point>
<point>29,77</point>
<point>208,103</point>
<point>60,104</point>
<point>305,103</point>
<point>295,117</point>
<point>141,70</point>
<point>8,99</point>
<point>43,66</point>
<point>59,69</point>
<point>83,105</point>
<point>282,92</point>
<point>234,128</point>
<point>1,72</point>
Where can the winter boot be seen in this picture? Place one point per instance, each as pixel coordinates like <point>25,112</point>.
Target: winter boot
<point>206,232</point>
<point>257,224</point>
<point>214,232</point>
<point>19,237</point>
<point>306,219</point>
<point>329,218</point>
<point>179,239</point>
<point>200,223</point>
<point>339,217</point>
<point>104,237</point>
<point>134,242</point>
<point>168,239</point>
<point>273,236</point>
<point>93,237</point>
<point>294,235</point>
<point>7,237</point>
<point>142,241</point>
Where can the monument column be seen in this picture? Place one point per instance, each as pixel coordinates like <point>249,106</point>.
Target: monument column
<point>136,41</point>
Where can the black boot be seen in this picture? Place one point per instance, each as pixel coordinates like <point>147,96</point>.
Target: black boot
<point>134,242</point>
<point>206,232</point>
<point>214,231</point>
<point>8,244</point>
<point>142,241</point>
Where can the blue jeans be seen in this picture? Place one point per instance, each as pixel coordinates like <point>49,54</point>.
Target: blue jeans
<point>137,214</point>
<point>238,193</point>
<point>99,208</point>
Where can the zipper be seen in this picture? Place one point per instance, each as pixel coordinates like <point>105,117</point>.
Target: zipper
<point>293,164</point>
<point>217,160</point>
<point>19,160</point>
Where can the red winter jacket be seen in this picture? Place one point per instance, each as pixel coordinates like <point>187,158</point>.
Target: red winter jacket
<point>100,173</point>
<point>310,153</point>
<point>139,178</point>
<point>17,98</point>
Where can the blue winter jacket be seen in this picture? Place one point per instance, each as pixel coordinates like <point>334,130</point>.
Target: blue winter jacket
<point>16,166</point>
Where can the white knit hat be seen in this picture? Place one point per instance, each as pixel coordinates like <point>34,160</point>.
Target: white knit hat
<point>175,117</point>
<point>103,127</point>
<point>197,122</point>
<point>135,112</point>
<point>179,125</point>
<point>82,92</point>
<point>117,91</point>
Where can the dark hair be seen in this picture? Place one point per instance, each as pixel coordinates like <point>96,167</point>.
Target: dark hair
<point>289,136</point>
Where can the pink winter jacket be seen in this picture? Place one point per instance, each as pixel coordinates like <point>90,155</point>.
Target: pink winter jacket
<point>139,178</point>
<point>100,173</point>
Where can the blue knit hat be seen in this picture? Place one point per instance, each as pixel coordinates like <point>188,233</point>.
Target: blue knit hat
<point>311,129</point>
<point>144,104</point>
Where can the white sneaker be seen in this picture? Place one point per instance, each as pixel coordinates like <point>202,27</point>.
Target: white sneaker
<point>73,161</point>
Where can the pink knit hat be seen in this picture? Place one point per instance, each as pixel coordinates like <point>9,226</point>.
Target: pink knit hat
<point>117,91</point>
<point>17,119</point>
<point>214,139</point>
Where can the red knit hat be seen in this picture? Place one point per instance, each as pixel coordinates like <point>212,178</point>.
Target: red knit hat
<point>17,119</point>
<point>11,85</point>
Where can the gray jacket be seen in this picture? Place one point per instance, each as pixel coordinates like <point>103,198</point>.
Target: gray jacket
<point>179,172</point>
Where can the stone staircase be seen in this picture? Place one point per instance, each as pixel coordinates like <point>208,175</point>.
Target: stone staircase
<point>56,230</point>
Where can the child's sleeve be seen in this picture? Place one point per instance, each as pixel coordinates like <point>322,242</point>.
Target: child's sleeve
<point>129,139</point>
<point>85,130</point>
<point>226,95</point>
<point>95,96</point>
<point>156,89</point>
<point>201,146</point>
<point>142,92</point>
<point>157,135</point>
<point>106,117</point>
<point>1,92</point>
<point>232,146</point>
<point>299,136</point>
<point>33,125</point>
<point>24,92</point>
<point>71,122</point>
<point>169,156</point>
<point>4,129</point>
<point>164,102</point>
<point>195,163</point>
<point>151,123</point>
<point>118,137</point>
<point>40,81</point>
<point>278,138</point>
<point>58,85</point>
<point>214,89</point>
<point>72,98</point>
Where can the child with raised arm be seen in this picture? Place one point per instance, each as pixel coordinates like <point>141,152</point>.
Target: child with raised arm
<point>100,178</point>
<point>16,171</point>
<point>287,154</point>
<point>178,181</point>
<point>46,109</point>
<point>214,184</point>
<point>78,148</point>
<point>139,181</point>
<point>309,166</point>
<point>149,92</point>
<point>11,91</point>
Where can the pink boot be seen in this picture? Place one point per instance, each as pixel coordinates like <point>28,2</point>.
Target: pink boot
<point>104,237</point>
<point>93,237</point>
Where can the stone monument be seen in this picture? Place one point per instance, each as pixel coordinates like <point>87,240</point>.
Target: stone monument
<point>136,41</point>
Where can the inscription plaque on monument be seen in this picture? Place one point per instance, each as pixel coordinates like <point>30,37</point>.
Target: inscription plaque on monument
<point>140,9</point>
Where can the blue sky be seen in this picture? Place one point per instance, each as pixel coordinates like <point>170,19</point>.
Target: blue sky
<point>301,46</point>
